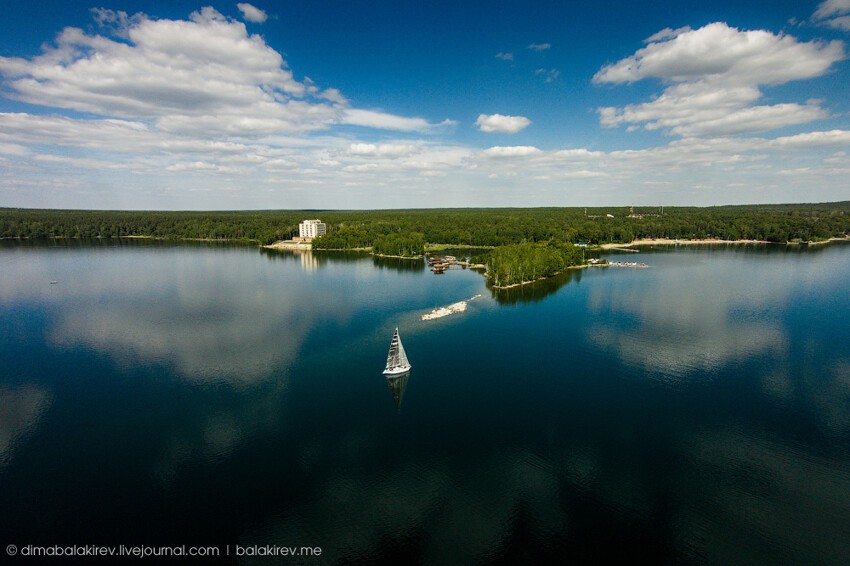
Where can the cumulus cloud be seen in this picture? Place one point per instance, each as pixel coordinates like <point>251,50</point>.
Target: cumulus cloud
<point>177,106</point>
<point>813,139</point>
<point>721,53</point>
<point>584,174</point>
<point>116,21</point>
<point>202,76</point>
<point>716,74</point>
<point>383,149</point>
<point>666,33</point>
<point>540,46</point>
<point>694,109</point>
<point>252,13</point>
<point>511,151</point>
<point>181,73</point>
<point>384,121</point>
<point>505,56</point>
<point>497,123</point>
<point>833,13</point>
<point>580,153</point>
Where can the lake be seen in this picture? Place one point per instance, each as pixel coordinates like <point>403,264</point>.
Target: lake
<point>697,410</point>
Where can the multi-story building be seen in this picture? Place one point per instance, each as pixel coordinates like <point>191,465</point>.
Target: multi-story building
<point>310,229</point>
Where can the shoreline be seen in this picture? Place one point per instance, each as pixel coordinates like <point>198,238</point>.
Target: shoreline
<point>288,245</point>
<point>396,256</point>
<point>712,241</point>
<point>677,242</point>
<point>434,247</point>
<point>511,286</point>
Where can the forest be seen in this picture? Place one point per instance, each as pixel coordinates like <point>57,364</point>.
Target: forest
<point>529,243</point>
<point>513,264</point>
<point>399,232</point>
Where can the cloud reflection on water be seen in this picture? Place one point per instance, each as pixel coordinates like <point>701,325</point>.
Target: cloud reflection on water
<point>692,316</point>
<point>20,410</point>
<point>454,505</point>
<point>181,310</point>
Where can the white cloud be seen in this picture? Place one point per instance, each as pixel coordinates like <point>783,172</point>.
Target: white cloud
<point>695,109</point>
<point>207,72</point>
<point>365,167</point>
<point>584,174</point>
<point>13,149</point>
<point>580,153</point>
<point>833,13</point>
<point>540,46</point>
<point>724,54</point>
<point>86,163</point>
<point>202,76</point>
<point>381,150</point>
<point>666,33</point>
<point>182,106</point>
<point>505,56</point>
<point>549,74</point>
<point>511,151</point>
<point>813,139</point>
<point>116,21</point>
<point>716,73</point>
<point>193,166</point>
<point>252,13</point>
<point>384,121</point>
<point>311,176</point>
<point>497,123</point>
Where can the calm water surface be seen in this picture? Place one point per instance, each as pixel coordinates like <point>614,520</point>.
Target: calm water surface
<point>694,411</point>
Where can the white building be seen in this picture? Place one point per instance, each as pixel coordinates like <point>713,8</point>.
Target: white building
<point>310,229</point>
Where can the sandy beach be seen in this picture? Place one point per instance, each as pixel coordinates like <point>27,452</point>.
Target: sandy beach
<point>668,242</point>
<point>289,245</point>
<point>704,241</point>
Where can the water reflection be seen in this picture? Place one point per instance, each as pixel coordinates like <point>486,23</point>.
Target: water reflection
<point>221,431</point>
<point>313,260</point>
<point>397,385</point>
<point>20,410</point>
<point>176,307</point>
<point>308,261</point>
<point>537,291</point>
<point>443,512</point>
<point>651,318</point>
<point>761,486</point>
<point>398,263</point>
<point>495,460</point>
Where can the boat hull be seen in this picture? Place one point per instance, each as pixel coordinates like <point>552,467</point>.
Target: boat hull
<point>396,371</point>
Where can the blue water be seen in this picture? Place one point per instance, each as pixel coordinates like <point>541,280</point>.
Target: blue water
<point>697,410</point>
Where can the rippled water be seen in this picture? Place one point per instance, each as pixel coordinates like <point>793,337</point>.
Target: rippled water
<point>697,410</point>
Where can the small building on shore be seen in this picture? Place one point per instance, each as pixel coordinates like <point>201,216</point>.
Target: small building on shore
<point>310,229</point>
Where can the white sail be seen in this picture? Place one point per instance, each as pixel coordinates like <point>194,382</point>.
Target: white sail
<point>396,358</point>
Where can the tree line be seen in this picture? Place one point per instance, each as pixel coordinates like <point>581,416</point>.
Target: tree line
<point>520,263</point>
<point>476,227</point>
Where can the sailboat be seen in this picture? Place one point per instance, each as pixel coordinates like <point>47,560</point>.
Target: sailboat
<point>397,363</point>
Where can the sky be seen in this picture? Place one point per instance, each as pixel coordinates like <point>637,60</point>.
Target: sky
<point>376,104</point>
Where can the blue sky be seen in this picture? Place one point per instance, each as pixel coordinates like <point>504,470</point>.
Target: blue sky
<point>373,104</point>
